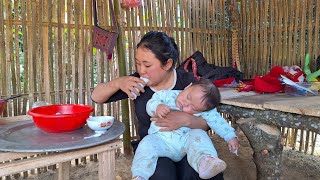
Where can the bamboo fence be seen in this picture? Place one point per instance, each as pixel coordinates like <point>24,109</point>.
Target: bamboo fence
<point>46,52</point>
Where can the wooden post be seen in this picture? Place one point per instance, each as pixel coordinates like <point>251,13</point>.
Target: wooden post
<point>64,170</point>
<point>122,72</point>
<point>107,167</point>
<point>265,141</point>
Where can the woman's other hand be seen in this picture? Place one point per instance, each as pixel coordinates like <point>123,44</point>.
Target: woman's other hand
<point>176,119</point>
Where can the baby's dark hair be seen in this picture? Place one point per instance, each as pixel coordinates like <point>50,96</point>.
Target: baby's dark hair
<point>211,97</point>
<point>161,45</point>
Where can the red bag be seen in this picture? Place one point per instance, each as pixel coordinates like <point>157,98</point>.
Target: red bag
<point>104,39</point>
<point>131,3</point>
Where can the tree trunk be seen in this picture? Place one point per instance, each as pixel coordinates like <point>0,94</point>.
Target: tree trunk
<point>265,141</point>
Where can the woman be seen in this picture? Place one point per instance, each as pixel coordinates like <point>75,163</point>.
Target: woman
<point>156,57</point>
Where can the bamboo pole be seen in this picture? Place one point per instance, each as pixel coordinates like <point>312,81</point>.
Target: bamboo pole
<point>277,54</point>
<point>50,48</point>
<point>2,50</point>
<point>130,44</point>
<point>10,79</point>
<point>76,60</point>
<point>246,21</point>
<point>316,27</point>
<point>69,50</point>
<point>265,56</point>
<point>216,35</point>
<point>122,72</point>
<point>17,61</point>
<point>3,54</point>
<point>81,54</point>
<point>310,29</point>
<point>208,28</point>
<point>175,23</point>
<point>302,35</point>
<point>56,17</point>
<point>285,33</point>
<point>40,60</point>
<point>259,37</point>
<point>296,25</point>
<point>89,57</point>
<point>62,49</point>
<point>290,43</point>
<point>202,29</point>
<point>25,55</point>
<point>224,51</point>
<point>187,11</point>
<point>46,56</point>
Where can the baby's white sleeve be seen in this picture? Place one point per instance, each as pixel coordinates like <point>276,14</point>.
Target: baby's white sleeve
<point>220,126</point>
<point>154,102</point>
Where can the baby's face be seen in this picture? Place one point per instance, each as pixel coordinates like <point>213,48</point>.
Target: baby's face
<point>190,100</point>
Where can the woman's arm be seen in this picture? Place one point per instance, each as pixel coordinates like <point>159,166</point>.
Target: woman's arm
<point>177,119</point>
<point>102,92</point>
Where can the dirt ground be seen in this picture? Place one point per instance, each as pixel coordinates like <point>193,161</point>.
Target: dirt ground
<point>295,165</point>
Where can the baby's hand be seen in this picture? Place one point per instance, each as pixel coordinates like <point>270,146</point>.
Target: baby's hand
<point>234,145</point>
<point>162,110</point>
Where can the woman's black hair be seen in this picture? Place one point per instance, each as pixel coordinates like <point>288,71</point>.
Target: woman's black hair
<point>161,45</point>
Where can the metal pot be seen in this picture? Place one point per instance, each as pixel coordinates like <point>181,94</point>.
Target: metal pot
<point>4,101</point>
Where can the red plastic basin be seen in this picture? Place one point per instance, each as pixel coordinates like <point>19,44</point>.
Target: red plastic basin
<point>60,118</point>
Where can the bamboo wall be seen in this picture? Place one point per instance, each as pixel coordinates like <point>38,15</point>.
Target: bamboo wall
<point>46,50</point>
<point>278,32</point>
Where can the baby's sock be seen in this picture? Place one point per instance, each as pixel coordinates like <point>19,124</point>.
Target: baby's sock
<point>210,166</point>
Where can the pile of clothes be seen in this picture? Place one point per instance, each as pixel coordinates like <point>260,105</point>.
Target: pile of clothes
<point>231,77</point>
<point>266,84</point>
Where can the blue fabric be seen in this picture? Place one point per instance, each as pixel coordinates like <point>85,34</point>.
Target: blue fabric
<point>214,120</point>
<point>194,143</point>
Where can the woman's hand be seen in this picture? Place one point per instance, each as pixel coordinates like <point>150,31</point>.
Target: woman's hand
<point>129,84</point>
<point>176,119</point>
<point>103,91</point>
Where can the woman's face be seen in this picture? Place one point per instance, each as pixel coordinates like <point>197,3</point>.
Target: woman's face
<point>190,100</point>
<point>150,67</point>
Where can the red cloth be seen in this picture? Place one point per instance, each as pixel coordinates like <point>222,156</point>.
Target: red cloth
<point>294,73</point>
<point>269,83</point>
<point>223,82</point>
<point>245,86</point>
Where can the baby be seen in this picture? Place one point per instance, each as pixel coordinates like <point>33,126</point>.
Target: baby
<point>200,99</point>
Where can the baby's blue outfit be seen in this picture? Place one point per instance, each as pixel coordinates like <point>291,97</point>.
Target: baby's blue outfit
<point>177,143</point>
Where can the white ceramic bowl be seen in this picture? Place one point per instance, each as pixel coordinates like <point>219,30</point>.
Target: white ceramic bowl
<point>100,124</point>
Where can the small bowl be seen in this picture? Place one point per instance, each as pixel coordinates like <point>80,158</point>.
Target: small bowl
<point>100,124</point>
